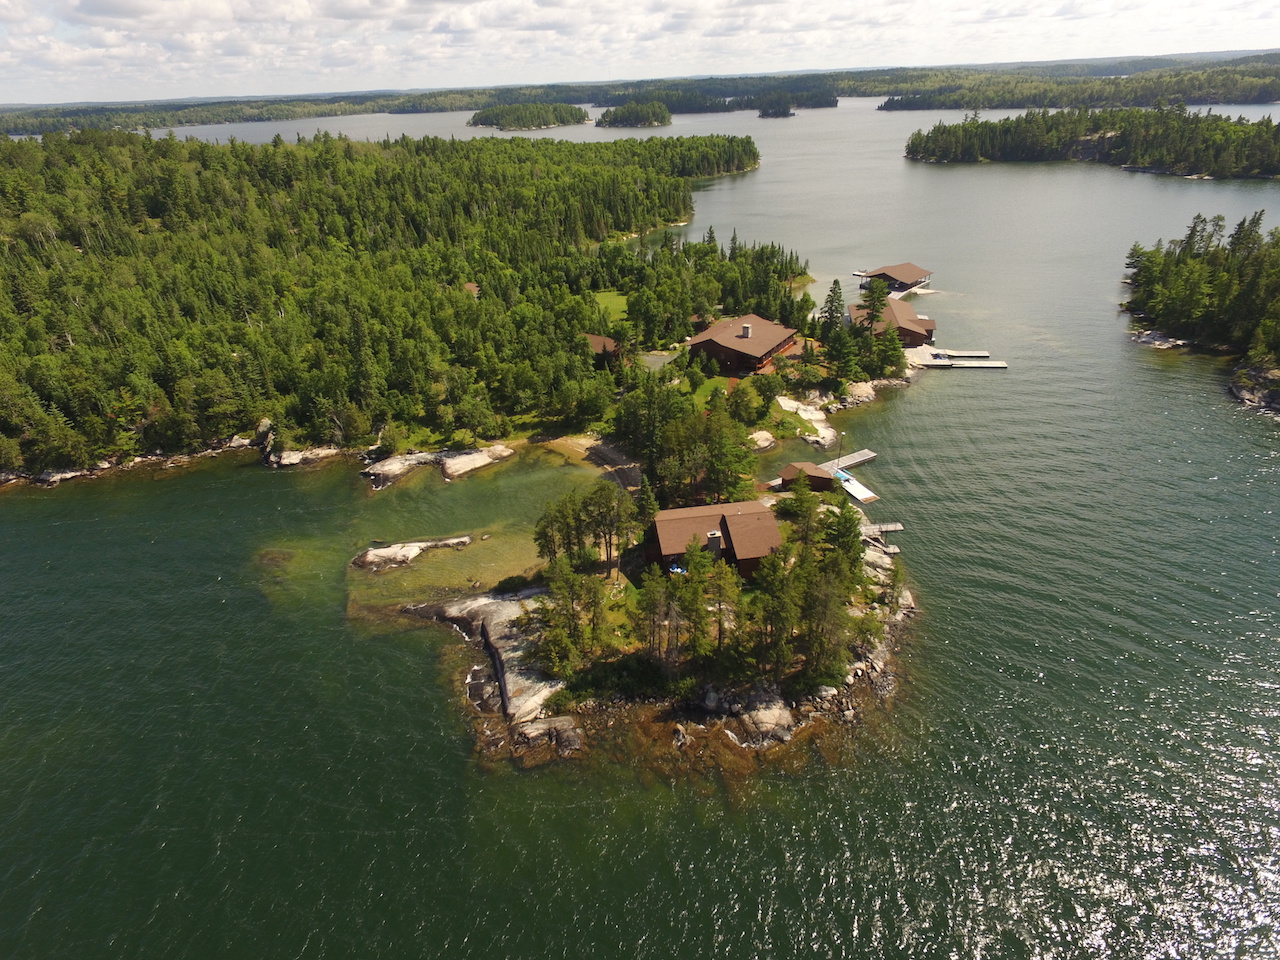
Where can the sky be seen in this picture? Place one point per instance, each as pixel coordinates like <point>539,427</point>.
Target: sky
<point>61,51</point>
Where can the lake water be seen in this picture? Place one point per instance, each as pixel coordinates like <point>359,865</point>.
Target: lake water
<point>202,754</point>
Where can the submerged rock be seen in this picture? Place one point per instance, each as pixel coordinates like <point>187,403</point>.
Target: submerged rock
<point>455,465</point>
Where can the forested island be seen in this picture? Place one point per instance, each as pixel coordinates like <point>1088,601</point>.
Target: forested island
<point>1143,82</point>
<point>651,113</point>
<point>1217,292</point>
<point>1166,139</point>
<point>528,116</point>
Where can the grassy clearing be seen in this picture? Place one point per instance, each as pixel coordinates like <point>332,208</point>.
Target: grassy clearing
<point>614,302</point>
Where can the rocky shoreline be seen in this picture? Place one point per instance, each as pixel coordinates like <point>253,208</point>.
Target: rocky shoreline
<point>815,407</point>
<point>507,692</point>
<point>1254,386</point>
<point>452,463</point>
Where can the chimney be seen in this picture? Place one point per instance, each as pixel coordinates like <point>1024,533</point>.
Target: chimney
<point>746,331</point>
<point>715,543</point>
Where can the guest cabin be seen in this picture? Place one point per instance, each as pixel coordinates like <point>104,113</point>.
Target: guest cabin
<point>742,534</point>
<point>604,349</point>
<point>745,345</point>
<point>913,329</point>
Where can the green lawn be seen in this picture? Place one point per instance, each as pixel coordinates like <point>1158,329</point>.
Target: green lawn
<point>614,302</point>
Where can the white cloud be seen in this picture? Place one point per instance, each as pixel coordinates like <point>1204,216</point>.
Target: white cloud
<point>71,50</point>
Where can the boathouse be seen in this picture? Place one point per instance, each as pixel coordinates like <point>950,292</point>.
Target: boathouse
<point>913,329</point>
<point>742,534</point>
<point>744,345</point>
<point>819,479</point>
<point>901,277</point>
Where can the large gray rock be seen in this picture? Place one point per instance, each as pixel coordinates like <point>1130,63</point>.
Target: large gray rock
<point>401,554</point>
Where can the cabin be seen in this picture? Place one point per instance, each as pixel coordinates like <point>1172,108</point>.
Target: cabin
<point>604,349</point>
<point>742,534</point>
<point>745,345</point>
<point>913,329</point>
<point>819,479</point>
<point>901,277</point>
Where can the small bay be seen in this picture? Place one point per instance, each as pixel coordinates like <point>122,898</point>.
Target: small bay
<point>211,745</point>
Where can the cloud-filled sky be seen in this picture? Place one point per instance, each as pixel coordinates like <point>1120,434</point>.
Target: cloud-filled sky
<point>57,51</point>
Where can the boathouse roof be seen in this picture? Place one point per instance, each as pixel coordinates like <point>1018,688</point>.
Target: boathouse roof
<point>907,273</point>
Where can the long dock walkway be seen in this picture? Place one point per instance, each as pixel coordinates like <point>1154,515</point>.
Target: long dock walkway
<point>856,459</point>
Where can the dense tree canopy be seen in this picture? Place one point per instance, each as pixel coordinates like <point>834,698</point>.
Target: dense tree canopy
<point>650,113</point>
<point>1214,290</point>
<point>162,294</point>
<point>1166,139</point>
<point>528,116</point>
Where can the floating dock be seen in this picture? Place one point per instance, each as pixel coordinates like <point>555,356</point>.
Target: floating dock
<point>854,489</point>
<point>938,358</point>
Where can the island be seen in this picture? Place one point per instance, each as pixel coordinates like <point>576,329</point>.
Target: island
<point>1164,139</point>
<point>528,116</point>
<point>650,113</point>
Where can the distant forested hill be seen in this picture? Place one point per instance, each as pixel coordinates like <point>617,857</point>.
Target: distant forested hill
<point>1093,83</point>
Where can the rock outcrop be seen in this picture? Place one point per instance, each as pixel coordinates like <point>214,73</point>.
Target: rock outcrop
<point>452,463</point>
<point>402,554</point>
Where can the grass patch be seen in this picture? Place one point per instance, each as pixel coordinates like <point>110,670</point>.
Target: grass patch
<point>614,302</point>
<point>704,391</point>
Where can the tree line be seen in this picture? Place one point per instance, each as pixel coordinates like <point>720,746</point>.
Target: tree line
<point>1095,83</point>
<point>528,116</point>
<point>1165,139</point>
<point>1253,79</point>
<point>1213,287</point>
<point>163,294</point>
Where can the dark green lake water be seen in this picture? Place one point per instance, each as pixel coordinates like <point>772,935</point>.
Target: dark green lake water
<point>202,756</point>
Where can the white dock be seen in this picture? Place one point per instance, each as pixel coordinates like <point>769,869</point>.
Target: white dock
<point>849,460</point>
<point>938,358</point>
<point>856,490</point>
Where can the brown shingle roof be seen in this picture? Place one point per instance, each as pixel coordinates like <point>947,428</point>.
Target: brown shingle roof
<point>807,467</point>
<point>752,535</point>
<point>601,344</point>
<point>902,315</point>
<point>749,525</point>
<point>901,272</point>
<point>766,335</point>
